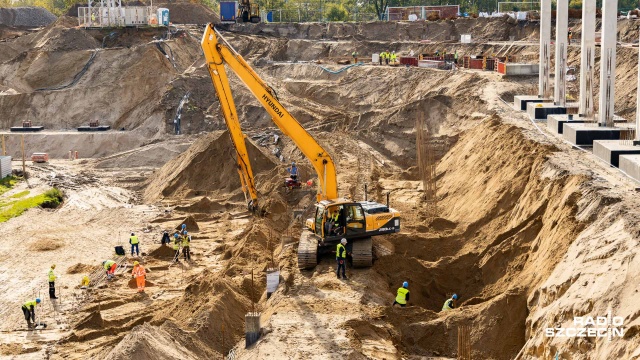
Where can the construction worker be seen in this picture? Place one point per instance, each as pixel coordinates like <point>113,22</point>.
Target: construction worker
<point>341,257</point>
<point>110,266</point>
<point>394,57</point>
<point>455,57</point>
<point>165,238</point>
<point>570,35</point>
<point>450,304</point>
<point>52,282</point>
<point>293,170</point>
<point>133,240</point>
<point>139,274</point>
<point>403,295</point>
<point>381,58</point>
<point>93,19</point>
<point>387,57</point>
<point>29,311</point>
<point>176,247</point>
<point>355,57</point>
<point>186,240</point>
<point>183,228</point>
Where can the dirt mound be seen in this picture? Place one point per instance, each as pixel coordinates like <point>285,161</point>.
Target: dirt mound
<point>146,342</point>
<point>92,321</point>
<point>204,205</point>
<point>26,17</point>
<point>81,268</point>
<point>46,245</point>
<point>190,13</point>
<point>208,166</point>
<point>192,225</point>
<point>163,252</point>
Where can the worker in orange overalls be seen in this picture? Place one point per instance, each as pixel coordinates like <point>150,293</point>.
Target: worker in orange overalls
<point>139,273</point>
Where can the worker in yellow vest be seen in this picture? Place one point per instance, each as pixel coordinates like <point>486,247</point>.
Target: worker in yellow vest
<point>450,304</point>
<point>387,57</point>
<point>176,247</point>
<point>110,266</point>
<point>186,240</point>
<point>381,58</point>
<point>341,258</point>
<point>139,274</point>
<point>29,311</point>
<point>394,57</point>
<point>133,240</point>
<point>403,295</point>
<point>52,282</point>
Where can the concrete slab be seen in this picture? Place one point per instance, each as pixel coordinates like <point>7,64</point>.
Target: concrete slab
<point>556,122</point>
<point>583,135</point>
<point>610,150</point>
<point>520,101</point>
<point>540,111</point>
<point>630,165</point>
<point>515,69</point>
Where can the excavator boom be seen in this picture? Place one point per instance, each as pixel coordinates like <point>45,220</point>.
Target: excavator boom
<point>218,52</point>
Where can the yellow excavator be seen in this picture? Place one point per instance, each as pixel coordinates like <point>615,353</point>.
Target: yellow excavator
<point>335,218</point>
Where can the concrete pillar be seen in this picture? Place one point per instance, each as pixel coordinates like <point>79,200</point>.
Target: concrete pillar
<point>545,48</point>
<point>587,57</point>
<point>251,328</point>
<point>608,62</point>
<point>562,22</point>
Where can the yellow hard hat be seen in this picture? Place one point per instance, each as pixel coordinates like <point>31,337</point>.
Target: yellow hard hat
<point>136,263</point>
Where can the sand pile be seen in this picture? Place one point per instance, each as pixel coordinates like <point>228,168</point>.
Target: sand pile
<point>163,252</point>
<point>208,166</point>
<point>81,268</point>
<point>192,225</point>
<point>189,13</point>
<point>26,17</point>
<point>204,205</point>
<point>146,342</point>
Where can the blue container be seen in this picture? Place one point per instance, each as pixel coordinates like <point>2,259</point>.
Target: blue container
<point>228,10</point>
<point>163,16</point>
<point>270,16</point>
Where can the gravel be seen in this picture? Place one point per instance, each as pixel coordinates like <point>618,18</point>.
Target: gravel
<point>26,17</point>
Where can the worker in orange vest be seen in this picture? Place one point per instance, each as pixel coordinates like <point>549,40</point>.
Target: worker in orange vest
<point>139,274</point>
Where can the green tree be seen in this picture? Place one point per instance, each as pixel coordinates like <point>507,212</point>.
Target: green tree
<point>336,12</point>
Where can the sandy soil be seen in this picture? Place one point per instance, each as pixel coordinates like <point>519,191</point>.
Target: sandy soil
<point>528,231</point>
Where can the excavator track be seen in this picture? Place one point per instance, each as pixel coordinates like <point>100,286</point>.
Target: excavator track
<point>307,251</point>
<point>362,253</point>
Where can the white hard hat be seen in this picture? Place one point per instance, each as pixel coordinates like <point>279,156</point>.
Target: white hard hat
<point>344,241</point>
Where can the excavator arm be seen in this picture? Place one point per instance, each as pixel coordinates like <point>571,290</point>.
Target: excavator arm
<point>217,53</point>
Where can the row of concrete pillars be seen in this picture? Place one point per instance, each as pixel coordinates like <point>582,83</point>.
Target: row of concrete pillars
<point>588,44</point>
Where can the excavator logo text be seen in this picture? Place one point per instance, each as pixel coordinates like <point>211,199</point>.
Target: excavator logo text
<point>272,105</point>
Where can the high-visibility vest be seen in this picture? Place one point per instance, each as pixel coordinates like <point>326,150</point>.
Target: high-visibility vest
<point>401,298</point>
<point>344,252</point>
<point>30,303</point>
<point>108,264</point>
<point>85,281</point>
<point>52,276</point>
<point>138,271</point>
<point>335,216</point>
<point>393,57</point>
<point>185,241</point>
<point>176,244</point>
<point>382,55</point>
<point>134,240</point>
<point>446,305</point>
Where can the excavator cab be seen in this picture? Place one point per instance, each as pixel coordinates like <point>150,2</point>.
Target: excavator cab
<point>337,221</point>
